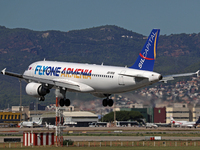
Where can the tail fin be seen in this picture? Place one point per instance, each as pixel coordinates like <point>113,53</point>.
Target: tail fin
<point>198,121</point>
<point>171,118</point>
<point>147,56</point>
<point>39,122</point>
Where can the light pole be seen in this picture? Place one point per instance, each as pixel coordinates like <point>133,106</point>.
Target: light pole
<point>114,112</point>
<point>20,108</point>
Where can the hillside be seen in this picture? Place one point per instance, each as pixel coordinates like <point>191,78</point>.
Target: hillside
<point>109,44</point>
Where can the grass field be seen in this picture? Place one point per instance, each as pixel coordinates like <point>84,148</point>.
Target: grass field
<point>107,148</point>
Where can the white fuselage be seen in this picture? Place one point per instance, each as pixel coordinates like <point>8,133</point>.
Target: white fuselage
<point>93,78</point>
<point>30,123</point>
<point>26,124</point>
<point>183,123</point>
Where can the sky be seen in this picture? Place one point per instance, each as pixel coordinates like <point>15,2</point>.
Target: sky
<point>171,16</point>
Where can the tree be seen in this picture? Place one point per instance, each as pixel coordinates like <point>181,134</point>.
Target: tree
<point>123,116</point>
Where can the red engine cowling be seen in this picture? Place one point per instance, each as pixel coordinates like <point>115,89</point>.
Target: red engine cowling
<point>36,89</point>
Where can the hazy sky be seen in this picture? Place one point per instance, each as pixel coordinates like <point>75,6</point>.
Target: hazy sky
<point>171,16</point>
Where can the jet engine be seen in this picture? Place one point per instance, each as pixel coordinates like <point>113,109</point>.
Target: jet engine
<point>37,90</point>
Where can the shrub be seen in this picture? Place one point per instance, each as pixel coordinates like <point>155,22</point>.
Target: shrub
<point>69,141</point>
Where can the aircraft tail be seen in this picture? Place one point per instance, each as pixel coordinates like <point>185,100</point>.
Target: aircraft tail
<point>171,118</point>
<point>147,56</point>
<point>198,121</point>
<point>39,122</point>
<point>20,125</point>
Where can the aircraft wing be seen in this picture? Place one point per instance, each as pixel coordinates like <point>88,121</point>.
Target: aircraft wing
<point>171,77</point>
<point>65,83</point>
<point>4,72</point>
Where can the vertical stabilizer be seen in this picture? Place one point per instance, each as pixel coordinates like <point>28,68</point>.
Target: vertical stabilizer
<point>171,118</point>
<point>198,121</point>
<point>147,56</point>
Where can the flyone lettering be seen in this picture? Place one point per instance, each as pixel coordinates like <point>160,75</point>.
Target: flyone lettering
<point>56,71</point>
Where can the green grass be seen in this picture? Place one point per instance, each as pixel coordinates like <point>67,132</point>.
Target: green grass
<point>107,148</point>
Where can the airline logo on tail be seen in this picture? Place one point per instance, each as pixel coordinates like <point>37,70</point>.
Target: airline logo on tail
<point>147,56</point>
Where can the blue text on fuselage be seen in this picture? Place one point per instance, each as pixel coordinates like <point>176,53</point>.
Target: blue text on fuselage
<point>48,70</point>
<point>55,71</point>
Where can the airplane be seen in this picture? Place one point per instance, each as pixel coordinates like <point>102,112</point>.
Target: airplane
<point>151,125</point>
<point>197,123</point>
<point>98,80</point>
<point>185,123</point>
<point>30,123</point>
<point>49,126</point>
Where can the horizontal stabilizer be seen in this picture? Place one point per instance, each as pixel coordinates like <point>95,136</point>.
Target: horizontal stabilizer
<point>171,77</point>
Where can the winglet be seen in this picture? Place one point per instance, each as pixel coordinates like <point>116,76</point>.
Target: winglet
<point>3,71</point>
<point>198,73</point>
<point>147,56</point>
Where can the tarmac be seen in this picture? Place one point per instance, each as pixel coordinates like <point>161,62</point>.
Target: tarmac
<point>17,133</point>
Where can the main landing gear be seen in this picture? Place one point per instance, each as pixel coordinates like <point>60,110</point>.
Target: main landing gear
<point>61,94</point>
<point>65,102</point>
<point>107,102</point>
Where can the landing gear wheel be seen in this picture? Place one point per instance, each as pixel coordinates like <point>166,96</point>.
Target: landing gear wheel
<point>62,102</point>
<point>104,102</point>
<point>110,102</point>
<point>67,102</point>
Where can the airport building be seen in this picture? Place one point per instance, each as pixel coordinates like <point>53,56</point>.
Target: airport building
<point>71,118</point>
<point>82,118</point>
<point>161,113</point>
<point>195,111</point>
<point>179,112</point>
<point>10,117</point>
<point>157,114</point>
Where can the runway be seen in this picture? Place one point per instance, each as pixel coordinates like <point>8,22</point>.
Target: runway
<point>108,134</point>
<point>123,138</point>
<point>90,129</point>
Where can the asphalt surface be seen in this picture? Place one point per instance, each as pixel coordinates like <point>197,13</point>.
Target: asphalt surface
<point>17,132</point>
<point>136,129</point>
<point>123,138</point>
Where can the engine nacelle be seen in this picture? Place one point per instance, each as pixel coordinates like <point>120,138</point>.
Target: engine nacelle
<point>36,89</point>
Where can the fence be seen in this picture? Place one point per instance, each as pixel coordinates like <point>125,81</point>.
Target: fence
<point>114,144</point>
<point>137,143</point>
